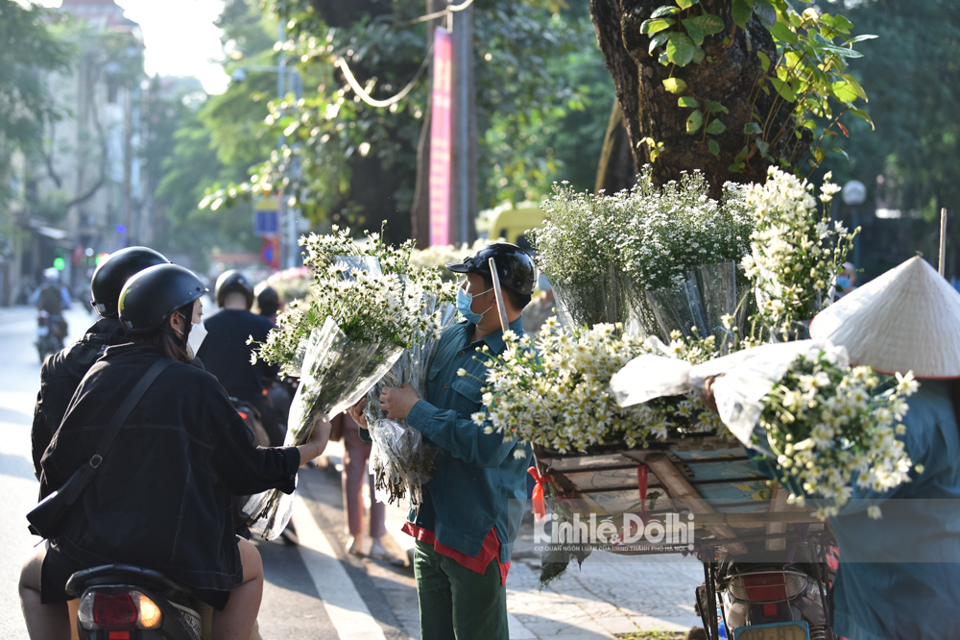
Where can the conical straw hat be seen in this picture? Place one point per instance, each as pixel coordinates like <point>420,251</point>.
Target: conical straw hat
<point>908,319</point>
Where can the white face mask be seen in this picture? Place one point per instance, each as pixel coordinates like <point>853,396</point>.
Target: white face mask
<point>197,333</point>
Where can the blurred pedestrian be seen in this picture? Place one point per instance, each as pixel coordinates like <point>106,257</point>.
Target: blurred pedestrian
<point>542,307</point>
<point>846,281</point>
<point>226,352</point>
<point>356,473</point>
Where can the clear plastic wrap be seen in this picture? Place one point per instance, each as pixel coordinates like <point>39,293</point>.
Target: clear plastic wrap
<point>592,302</point>
<point>400,459</point>
<point>699,300</point>
<point>335,374</point>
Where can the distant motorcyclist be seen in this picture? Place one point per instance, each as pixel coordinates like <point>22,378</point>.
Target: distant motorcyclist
<point>53,297</point>
<point>161,498</point>
<point>226,351</point>
<point>61,373</point>
<point>268,302</point>
<point>281,390</point>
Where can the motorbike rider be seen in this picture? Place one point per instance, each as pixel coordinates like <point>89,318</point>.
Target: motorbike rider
<point>53,297</point>
<point>162,496</point>
<point>470,515</point>
<point>61,373</point>
<point>281,390</point>
<point>268,302</point>
<point>226,352</point>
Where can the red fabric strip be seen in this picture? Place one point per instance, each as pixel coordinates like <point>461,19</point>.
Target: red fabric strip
<point>488,552</point>
<point>539,508</point>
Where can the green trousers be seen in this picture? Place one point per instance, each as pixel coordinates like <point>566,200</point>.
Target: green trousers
<point>457,603</point>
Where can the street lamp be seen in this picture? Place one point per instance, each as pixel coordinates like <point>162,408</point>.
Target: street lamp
<point>854,194</point>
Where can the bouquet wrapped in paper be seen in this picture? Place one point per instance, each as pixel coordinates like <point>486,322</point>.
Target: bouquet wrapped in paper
<point>400,458</point>
<point>366,305</point>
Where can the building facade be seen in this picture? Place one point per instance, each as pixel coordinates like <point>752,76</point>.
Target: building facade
<point>85,196</point>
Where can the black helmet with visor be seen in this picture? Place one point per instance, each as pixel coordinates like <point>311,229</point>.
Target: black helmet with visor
<point>516,268</point>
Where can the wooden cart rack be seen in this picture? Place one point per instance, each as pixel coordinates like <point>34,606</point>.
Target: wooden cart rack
<point>708,481</point>
<point>711,478</point>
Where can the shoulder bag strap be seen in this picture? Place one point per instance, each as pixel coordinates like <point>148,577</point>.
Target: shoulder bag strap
<point>89,470</point>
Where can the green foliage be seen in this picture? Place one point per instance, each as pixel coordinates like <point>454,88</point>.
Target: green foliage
<point>28,48</point>
<point>336,147</point>
<point>911,162</point>
<point>537,78</point>
<point>189,168</point>
<point>913,79</point>
<point>196,142</point>
<point>809,77</point>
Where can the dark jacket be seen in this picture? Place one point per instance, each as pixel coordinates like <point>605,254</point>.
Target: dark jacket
<point>226,354</point>
<point>162,496</point>
<point>60,376</point>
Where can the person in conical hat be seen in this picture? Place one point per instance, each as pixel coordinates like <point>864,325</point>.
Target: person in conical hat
<point>899,576</point>
<point>908,319</point>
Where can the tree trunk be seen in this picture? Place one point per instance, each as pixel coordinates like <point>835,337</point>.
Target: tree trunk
<point>728,76</point>
<point>617,170</point>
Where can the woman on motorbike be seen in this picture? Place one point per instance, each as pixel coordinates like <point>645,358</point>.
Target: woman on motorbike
<point>162,498</point>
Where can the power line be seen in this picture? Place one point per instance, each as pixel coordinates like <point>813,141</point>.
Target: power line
<point>341,63</point>
<point>439,14</point>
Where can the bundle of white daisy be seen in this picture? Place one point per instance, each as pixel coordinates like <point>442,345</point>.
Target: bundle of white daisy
<point>795,255</point>
<point>366,306</point>
<point>371,291</point>
<point>557,395</point>
<point>604,252</point>
<point>828,423</point>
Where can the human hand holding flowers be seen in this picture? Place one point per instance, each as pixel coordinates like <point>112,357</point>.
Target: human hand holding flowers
<point>707,397</point>
<point>398,401</point>
<point>319,439</point>
<point>356,412</point>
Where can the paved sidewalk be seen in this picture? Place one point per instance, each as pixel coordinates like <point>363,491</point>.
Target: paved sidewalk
<point>608,595</point>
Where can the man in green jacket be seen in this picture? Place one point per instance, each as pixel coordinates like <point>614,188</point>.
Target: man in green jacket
<point>473,504</point>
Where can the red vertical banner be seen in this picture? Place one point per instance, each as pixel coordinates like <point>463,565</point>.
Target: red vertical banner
<point>440,137</point>
<point>270,251</point>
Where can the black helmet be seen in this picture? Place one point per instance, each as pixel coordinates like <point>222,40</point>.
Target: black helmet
<point>230,281</point>
<point>113,273</point>
<point>515,267</point>
<point>268,300</point>
<point>149,297</point>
